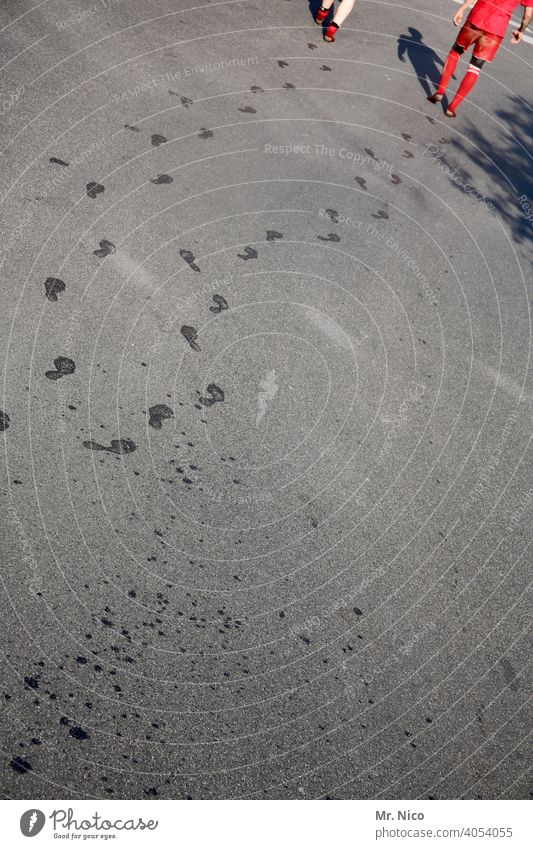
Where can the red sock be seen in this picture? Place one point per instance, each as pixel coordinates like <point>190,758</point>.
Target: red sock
<point>467,84</point>
<point>449,67</point>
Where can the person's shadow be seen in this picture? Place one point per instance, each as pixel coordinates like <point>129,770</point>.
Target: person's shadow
<point>425,61</point>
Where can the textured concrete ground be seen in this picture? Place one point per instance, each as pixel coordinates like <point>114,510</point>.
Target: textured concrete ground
<point>266,405</point>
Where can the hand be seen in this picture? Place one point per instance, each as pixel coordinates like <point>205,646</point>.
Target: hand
<point>458,17</point>
<point>516,37</point>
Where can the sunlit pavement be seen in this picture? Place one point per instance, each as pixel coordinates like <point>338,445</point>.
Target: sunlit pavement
<point>266,405</point>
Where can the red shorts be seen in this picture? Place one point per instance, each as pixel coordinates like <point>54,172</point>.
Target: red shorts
<point>485,43</point>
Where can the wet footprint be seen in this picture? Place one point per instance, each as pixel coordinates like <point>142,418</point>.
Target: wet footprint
<point>118,446</point>
<point>64,366</point>
<point>325,68</point>
<point>283,64</point>
<point>371,154</point>
<point>105,249</point>
<point>362,183</point>
<point>205,134</point>
<point>156,139</point>
<point>431,120</point>
<point>249,109</point>
<point>288,85</point>
<point>407,154</point>
<point>221,304</point>
<point>133,129</point>
<point>162,179</point>
<point>53,287</point>
<point>333,215</point>
<point>158,414</point>
<point>395,179</point>
<point>94,189</point>
<point>185,101</point>
<point>216,393</point>
<point>331,237</point>
<point>256,89</point>
<point>55,161</point>
<point>272,235</point>
<point>312,46</point>
<point>380,214</point>
<point>190,334</point>
<point>249,253</point>
<point>188,256</point>
<point>406,136</point>
<point>4,421</point>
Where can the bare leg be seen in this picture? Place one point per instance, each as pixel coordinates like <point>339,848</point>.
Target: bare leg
<point>343,11</point>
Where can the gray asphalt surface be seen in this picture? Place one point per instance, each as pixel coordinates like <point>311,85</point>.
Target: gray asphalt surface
<point>267,406</point>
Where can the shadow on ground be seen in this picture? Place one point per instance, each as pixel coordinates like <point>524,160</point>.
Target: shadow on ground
<point>508,162</point>
<point>426,63</point>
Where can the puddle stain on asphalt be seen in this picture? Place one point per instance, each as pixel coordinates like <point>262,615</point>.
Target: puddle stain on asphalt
<point>221,304</point>
<point>64,366</point>
<point>20,765</point>
<point>162,179</point>
<point>249,253</point>
<point>216,393</point>
<point>94,189</point>
<point>158,414</point>
<point>185,101</point>
<point>106,248</point>
<point>188,256</point>
<point>510,674</point>
<point>117,446</point>
<point>53,287</point>
<point>78,733</point>
<point>190,334</point>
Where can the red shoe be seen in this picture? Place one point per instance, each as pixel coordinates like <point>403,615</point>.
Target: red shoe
<point>321,15</point>
<point>329,35</point>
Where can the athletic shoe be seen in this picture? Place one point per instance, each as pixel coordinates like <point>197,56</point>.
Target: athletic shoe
<point>329,35</point>
<point>321,15</point>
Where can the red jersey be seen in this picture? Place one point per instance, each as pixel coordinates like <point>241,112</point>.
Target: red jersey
<point>494,15</point>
